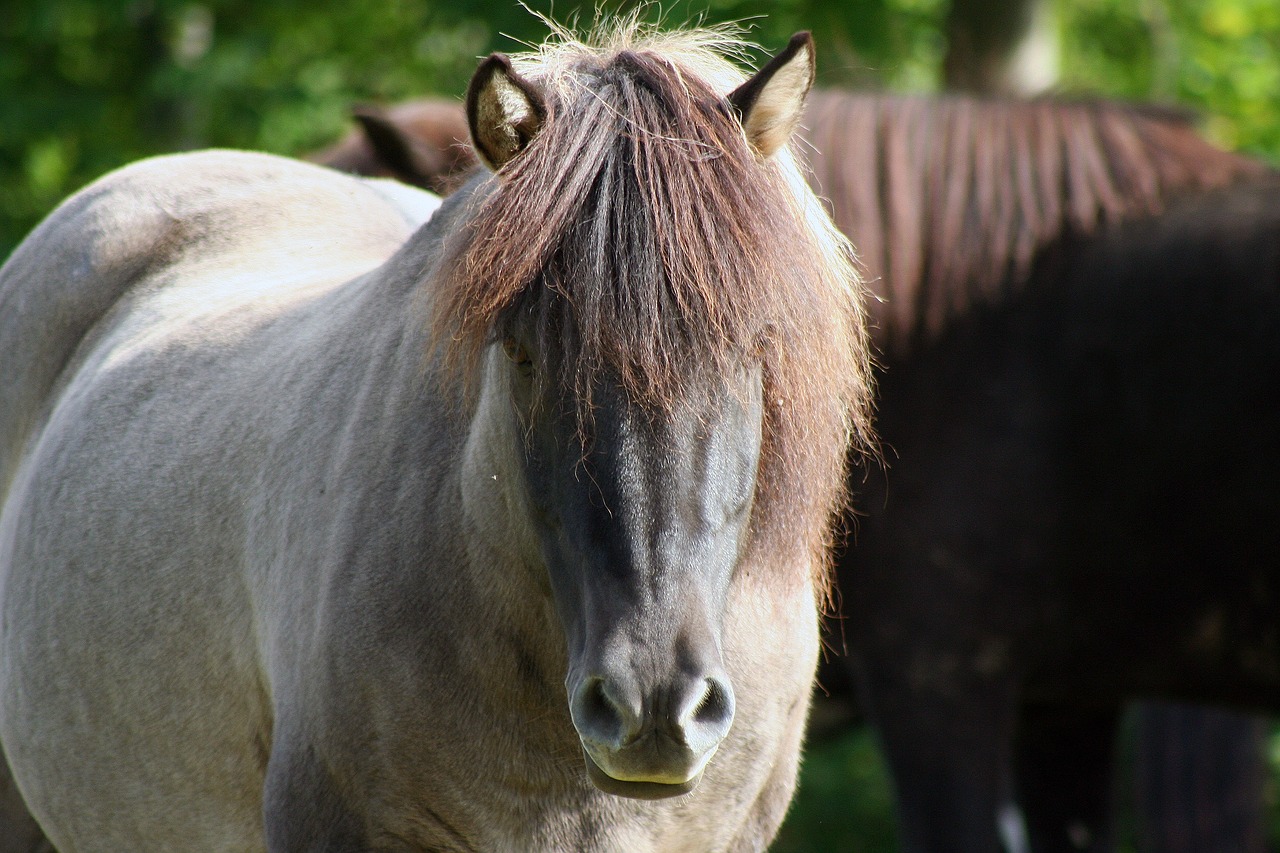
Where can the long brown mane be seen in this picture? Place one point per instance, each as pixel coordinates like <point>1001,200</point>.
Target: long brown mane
<point>949,200</point>
<point>650,244</point>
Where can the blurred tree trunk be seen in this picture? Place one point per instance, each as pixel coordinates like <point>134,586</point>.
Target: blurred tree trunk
<point>1001,47</point>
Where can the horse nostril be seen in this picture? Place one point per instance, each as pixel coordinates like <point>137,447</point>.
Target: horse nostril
<point>716,706</point>
<point>596,707</point>
<point>707,717</point>
<point>600,717</point>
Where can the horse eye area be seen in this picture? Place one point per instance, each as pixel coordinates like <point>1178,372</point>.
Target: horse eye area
<point>517,353</point>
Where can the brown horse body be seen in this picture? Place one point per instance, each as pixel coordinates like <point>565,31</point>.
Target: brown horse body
<point>1080,320</point>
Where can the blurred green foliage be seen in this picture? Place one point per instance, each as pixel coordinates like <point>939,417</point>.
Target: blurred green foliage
<point>1220,57</point>
<point>88,85</point>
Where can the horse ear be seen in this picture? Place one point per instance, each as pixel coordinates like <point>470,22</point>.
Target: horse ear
<point>504,111</point>
<point>394,147</point>
<point>770,104</point>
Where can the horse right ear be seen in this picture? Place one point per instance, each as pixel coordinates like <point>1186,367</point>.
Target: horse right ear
<point>504,111</point>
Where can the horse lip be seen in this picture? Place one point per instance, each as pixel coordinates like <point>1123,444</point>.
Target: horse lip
<point>637,790</point>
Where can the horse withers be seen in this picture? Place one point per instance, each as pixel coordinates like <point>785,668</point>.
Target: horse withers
<point>327,529</point>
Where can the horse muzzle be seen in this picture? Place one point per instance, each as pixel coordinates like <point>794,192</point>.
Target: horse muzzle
<point>651,744</point>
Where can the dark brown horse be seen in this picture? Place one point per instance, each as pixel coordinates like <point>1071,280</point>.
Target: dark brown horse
<point>1081,329</point>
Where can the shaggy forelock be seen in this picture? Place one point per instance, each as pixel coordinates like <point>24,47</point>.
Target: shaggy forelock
<point>644,242</point>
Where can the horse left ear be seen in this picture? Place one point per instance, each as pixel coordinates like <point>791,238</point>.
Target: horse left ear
<point>770,104</point>
<point>504,111</point>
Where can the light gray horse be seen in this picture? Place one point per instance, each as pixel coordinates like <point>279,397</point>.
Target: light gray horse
<point>311,515</point>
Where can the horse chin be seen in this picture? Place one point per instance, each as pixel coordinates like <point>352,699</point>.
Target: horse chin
<point>637,790</point>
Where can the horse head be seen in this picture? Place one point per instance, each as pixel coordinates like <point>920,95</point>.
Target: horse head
<point>632,344</point>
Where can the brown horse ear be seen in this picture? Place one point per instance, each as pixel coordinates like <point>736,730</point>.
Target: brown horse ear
<point>504,111</point>
<point>395,148</point>
<point>770,104</point>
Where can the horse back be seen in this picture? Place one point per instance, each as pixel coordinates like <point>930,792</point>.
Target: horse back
<point>143,226</point>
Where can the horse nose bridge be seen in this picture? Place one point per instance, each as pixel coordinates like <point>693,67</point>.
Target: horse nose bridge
<point>665,639</point>
<point>648,691</point>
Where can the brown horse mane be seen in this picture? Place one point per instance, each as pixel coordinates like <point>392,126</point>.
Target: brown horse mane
<point>949,200</point>
<point>650,244</point>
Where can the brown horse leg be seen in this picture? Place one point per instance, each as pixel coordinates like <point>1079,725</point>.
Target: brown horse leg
<point>951,761</point>
<point>1065,760</point>
<point>1200,778</point>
